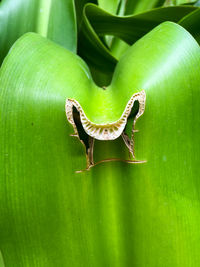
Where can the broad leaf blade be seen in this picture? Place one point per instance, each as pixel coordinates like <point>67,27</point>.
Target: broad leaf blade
<point>44,199</point>
<point>97,23</point>
<point>179,2</point>
<point>57,208</point>
<point>116,214</point>
<point>138,6</point>
<point>109,5</point>
<point>79,6</point>
<point>128,7</point>
<point>191,23</point>
<point>1,260</point>
<point>54,19</point>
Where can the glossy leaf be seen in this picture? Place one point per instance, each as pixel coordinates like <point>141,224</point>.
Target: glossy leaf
<point>54,19</point>
<point>1,260</point>
<point>130,7</point>
<point>98,23</point>
<point>134,7</point>
<point>79,5</point>
<point>179,2</point>
<point>191,22</point>
<point>111,6</point>
<point>116,214</point>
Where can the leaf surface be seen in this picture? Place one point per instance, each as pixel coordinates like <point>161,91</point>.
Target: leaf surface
<point>133,7</point>
<point>116,214</point>
<point>191,23</point>
<point>111,6</point>
<point>54,19</point>
<point>97,23</point>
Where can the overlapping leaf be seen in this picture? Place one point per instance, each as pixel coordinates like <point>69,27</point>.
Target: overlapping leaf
<point>54,19</point>
<point>192,23</point>
<point>98,23</point>
<point>114,215</point>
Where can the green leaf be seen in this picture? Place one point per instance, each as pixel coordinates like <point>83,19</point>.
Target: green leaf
<point>109,5</point>
<point>54,19</point>
<point>97,23</point>
<point>179,2</point>
<point>1,260</point>
<point>79,5</point>
<point>116,214</point>
<point>191,23</point>
<point>138,6</point>
<point>130,7</point>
